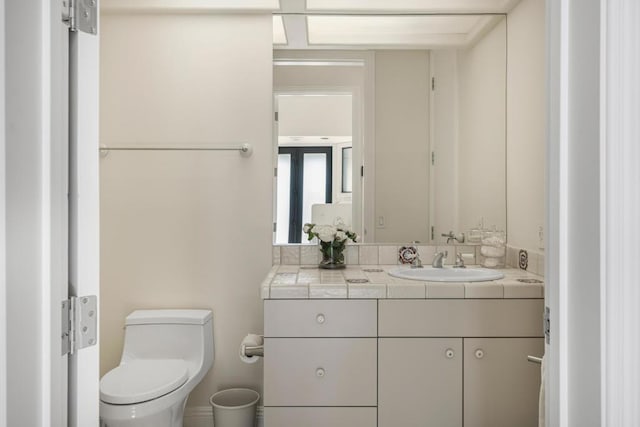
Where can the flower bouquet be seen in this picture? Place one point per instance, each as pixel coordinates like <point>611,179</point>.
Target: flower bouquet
<point>333,240</point>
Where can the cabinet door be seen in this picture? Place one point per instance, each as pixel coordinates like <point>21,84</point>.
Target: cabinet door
<point>501,387</point>
<point>420,382</point>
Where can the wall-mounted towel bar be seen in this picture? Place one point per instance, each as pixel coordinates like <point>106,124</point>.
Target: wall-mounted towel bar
<point>244,148</point>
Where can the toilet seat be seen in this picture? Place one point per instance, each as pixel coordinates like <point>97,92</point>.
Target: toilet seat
<point>142,380</point>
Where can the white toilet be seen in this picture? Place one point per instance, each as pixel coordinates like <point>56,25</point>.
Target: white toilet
<point>166,354</point>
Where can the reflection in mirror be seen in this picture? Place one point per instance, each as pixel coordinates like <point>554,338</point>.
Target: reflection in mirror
<point>314,162</point>
<point>416,127</point>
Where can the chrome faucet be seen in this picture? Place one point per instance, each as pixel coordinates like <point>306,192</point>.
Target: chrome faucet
<point>459,261</point>
<point>457,237</point>
<point>438,259</point>
<point>416,262</point>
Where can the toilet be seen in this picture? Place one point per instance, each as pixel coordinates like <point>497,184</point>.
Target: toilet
<point>166,354</point>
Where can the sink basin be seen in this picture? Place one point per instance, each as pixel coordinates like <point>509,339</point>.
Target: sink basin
<point>430,274</point>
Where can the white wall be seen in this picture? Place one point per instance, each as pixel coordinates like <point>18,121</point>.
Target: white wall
<point>187,229</point>
<point>402,145</point>
<point>481,144</point>
<point>329,115</point>
<point>526,124</point>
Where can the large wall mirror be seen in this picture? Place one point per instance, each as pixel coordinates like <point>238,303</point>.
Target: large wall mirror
<point>392,124</point>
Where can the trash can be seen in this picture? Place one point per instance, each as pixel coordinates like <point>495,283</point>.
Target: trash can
<point>235,407</point>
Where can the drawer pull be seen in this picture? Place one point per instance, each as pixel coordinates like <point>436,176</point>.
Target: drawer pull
<point>320,318</point>
<point>320,372</point>
<point>449,353</point>
<point>479,353</point>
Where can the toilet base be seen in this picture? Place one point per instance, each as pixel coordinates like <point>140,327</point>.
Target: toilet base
<point>146,414</point>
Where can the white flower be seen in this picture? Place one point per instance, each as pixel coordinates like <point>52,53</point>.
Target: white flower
<point>341,236</point>
<point>307,227</point>
<point>326,233</point>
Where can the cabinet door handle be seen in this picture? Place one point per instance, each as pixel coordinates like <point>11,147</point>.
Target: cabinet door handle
<point>449,353</point>
<point>320,372</point>
<point>479,353</point>
<point>320,318</point>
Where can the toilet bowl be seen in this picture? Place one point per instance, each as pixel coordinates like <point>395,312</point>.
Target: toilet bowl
<point>166,354</point>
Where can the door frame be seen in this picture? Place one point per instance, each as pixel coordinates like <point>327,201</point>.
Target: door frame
<point>35,220</point>
<point>360,149</point>
<point>591,375</point>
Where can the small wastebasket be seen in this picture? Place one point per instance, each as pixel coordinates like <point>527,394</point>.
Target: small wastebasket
<point>235,407</point>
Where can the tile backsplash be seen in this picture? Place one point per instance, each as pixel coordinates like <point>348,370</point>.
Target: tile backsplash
<point>371,254</point>
<point>365,254</point>
<point>525,259</point>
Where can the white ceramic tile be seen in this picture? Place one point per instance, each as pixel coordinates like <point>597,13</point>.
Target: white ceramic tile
<point>289,291</point>
<point>367,291</point>
<point>331,278</point>
<point>275,255</point>
<point>284,279</point>
<point>290,255</point>
<point>309,255</point>
<point>288,268</point>
<point>354,273</point>
<point>368,255</point>
<point>445,290</point>
<point>322,290</point>
<point>426,254</point>
<point>512,257</point>
<point>264,292</point>
<point>406,290</point>
<point>483,290</point>
<point>523,290</point>
<point>352,255</point>
<point>388,255</point>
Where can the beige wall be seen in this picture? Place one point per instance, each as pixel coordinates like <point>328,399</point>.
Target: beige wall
<point>526,124</point>
<point>402,145</point>
<point>481,144</point>
<point>186,229</point>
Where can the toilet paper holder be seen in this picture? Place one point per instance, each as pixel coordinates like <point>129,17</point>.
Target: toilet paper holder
<point>252,347</point>
<point>250,350</point>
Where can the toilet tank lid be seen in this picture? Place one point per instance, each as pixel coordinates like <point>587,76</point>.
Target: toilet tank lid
<point>174,317</point>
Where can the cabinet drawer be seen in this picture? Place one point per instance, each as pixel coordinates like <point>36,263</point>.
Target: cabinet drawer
<point>320,371</point>
<point>315,318</point>
<point>319,417</point>
<point>461,318</point>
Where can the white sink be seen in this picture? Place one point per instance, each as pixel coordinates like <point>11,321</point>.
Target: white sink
<point>447,274</point>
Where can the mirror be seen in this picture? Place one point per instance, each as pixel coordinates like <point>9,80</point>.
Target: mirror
<point>402,136</point>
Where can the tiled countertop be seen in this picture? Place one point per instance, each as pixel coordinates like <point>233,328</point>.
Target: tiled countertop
<point>310,282</point>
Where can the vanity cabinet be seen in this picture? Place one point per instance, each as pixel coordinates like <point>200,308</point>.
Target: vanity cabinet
<point>320,365</point>
<point>478,377</point>
<point>402,363</point>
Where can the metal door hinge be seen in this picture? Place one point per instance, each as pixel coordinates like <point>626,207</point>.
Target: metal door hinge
<point>275,114</point>
<point>362,171</point>
<point>433,158</point>
<point>433,83</point>
<point>79,323</point>
<point>81,15</point>
<point>433,232</point>
<point>547,325</point>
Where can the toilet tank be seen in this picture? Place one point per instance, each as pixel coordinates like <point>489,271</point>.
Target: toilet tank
<point>169,334</point>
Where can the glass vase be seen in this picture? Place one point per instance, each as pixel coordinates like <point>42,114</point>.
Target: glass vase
<point>332,255</point>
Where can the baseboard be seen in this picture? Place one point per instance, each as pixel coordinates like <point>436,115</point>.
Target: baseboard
<point>202,416</point>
